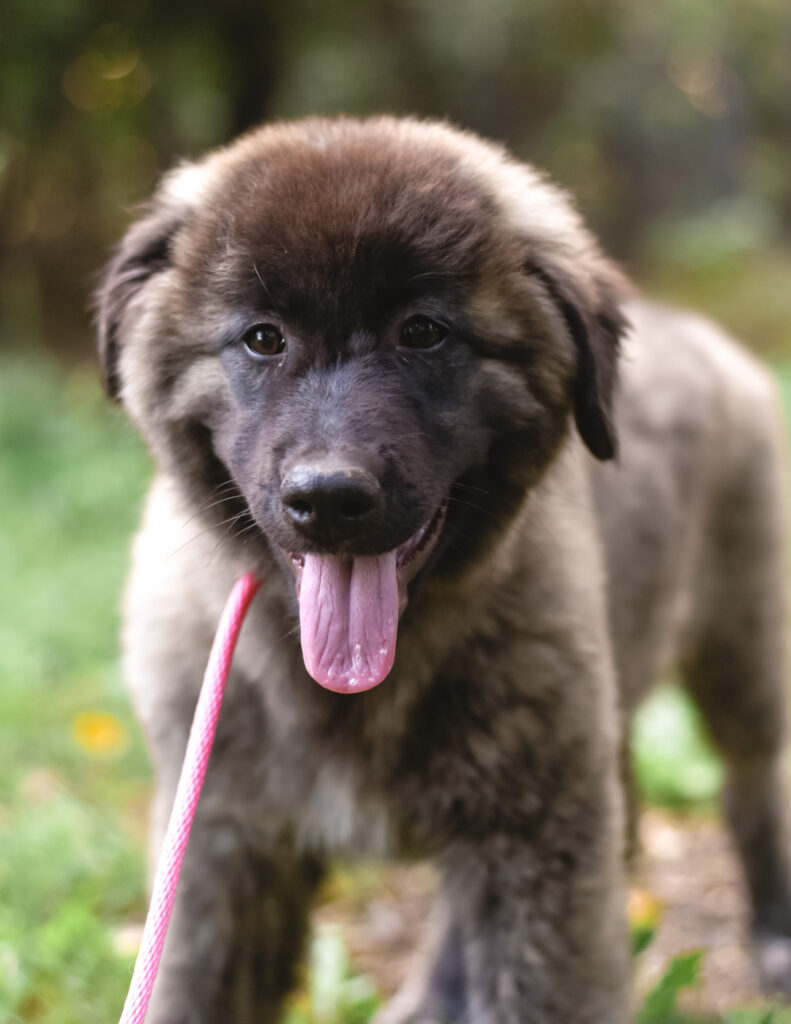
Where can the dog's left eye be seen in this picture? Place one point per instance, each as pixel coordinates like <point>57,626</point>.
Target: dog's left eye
<point>265,340</point>
<point>421,332</point>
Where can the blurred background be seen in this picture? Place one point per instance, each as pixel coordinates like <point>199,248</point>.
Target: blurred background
<point>671,124</point>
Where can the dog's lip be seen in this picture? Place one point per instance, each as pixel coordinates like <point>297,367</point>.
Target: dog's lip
<point>411,556</point>
<point>415,551</point>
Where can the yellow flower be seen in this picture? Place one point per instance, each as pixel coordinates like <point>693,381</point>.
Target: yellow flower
<point>98,732</point>
<point>645,909</point>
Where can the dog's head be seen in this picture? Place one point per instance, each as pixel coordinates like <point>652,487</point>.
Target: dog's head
<point>365,340</point>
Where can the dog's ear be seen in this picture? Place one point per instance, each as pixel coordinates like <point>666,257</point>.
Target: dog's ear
<point>596,324</point>
<point>143,252</point>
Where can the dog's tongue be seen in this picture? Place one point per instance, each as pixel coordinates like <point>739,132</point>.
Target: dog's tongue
<point>348,618</point>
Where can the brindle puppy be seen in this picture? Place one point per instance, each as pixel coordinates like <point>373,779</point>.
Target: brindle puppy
<point>374,361</point>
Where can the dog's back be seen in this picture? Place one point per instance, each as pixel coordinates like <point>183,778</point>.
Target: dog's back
<point>693,524</point>
<point>692,513</point>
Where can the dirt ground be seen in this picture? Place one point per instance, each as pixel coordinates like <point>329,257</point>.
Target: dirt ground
<point>686,870</point>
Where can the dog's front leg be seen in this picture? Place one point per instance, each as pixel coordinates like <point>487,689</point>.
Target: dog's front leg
<point>542,916</point>
<point>238,926</point>
<point>245,890</point>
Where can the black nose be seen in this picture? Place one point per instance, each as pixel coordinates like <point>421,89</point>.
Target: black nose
<point>331,503</point>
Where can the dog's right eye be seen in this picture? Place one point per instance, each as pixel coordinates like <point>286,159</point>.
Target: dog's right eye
<point>422,332</point>
<point>265,340</point>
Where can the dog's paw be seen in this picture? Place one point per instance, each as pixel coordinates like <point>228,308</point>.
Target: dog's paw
<point>772,955</point>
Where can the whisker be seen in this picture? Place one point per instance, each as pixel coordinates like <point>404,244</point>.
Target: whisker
<point>226,534</point>
<point>212,504</point>
<point>291,632</point>
<point>467,487</point>
<point>208,529</point>
<point>245,533</point>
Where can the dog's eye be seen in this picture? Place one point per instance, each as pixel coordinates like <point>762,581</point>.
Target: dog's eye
<point>265,340</point>
<point>421,332</point>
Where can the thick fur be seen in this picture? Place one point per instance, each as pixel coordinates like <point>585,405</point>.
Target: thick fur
<point>560,587</point>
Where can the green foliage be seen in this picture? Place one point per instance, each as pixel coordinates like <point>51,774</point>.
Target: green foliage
<point>661,1004</point>
<point>642,935</point>
<point>728,275</point>
<point>662,118</point>
<point>674,763</point>
<point>71,478</point>
<point>758,1015</point>
<point>335,995</point>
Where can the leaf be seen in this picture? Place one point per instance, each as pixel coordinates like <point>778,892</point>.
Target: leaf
<point>660,1004</point>
<point>642,937</point>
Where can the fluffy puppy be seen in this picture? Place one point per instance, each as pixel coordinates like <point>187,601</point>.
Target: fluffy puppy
<point>375,362</point>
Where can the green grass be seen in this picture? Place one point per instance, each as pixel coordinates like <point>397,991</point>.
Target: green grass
<point>661,1004</point>
<point>71,479</point>
<point>74,776</point>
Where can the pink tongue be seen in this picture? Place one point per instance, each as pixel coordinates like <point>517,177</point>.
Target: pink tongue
<point>348,617</point>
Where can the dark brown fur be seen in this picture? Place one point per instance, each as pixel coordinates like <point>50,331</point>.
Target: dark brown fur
<point>493,745</point>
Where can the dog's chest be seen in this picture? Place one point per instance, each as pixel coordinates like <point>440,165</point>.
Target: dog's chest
<point>338,816</point>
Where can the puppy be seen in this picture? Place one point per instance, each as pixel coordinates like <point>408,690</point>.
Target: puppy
<point>375,362</point>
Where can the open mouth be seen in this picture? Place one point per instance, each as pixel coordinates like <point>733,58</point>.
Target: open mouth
<point>349,608</point>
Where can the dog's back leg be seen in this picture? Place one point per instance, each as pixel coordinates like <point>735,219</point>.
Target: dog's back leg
<point>735,668</point>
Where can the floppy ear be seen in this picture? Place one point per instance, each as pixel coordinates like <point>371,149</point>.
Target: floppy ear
<point>143,252</point>
<point>596,324</point>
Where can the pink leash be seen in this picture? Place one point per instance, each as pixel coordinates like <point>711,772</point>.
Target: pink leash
<point>193,772</point>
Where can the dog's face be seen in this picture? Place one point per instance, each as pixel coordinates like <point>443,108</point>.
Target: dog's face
<point>365,341</point>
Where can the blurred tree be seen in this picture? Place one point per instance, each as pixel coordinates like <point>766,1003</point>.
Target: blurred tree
<point>642,110</point>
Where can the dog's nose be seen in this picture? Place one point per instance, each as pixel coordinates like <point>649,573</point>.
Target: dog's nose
<point>331,503</point>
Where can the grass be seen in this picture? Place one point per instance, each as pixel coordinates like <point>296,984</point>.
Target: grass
<point>74,777</point>
<point>73,772</point>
